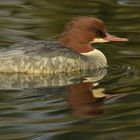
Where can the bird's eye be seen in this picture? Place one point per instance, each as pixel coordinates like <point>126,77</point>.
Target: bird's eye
<point>99,33</point>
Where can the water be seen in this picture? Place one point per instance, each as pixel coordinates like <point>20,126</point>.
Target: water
<point>40,107</point>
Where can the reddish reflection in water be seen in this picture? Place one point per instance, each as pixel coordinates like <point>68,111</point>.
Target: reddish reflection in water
<point>82,100</point>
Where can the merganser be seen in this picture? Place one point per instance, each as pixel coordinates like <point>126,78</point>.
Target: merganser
<point>72,52</point>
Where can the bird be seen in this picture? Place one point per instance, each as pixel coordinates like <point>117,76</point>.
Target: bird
<point>72,52</point>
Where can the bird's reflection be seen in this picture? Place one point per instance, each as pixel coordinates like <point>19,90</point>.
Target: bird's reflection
<point>81,91</point>
<point>82,100</point>
<point>86,100</point>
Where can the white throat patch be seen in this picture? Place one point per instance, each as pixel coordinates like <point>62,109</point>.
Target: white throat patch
<point>96,58</point>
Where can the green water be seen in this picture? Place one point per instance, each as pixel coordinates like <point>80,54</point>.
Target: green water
<point>40,107</point>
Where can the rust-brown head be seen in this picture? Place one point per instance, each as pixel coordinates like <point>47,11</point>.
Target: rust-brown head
<point>80,32</point>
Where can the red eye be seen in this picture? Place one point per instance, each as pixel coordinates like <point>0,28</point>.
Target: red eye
<point>97,33</point>
<point>100,33</point>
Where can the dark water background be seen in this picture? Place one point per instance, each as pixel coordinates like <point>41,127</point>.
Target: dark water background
<point>39,107</point>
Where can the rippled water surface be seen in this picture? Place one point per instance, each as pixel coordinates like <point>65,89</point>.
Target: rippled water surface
<point>69,107</point>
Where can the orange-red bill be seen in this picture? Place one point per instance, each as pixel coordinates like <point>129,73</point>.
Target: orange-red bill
<point>110,37</point>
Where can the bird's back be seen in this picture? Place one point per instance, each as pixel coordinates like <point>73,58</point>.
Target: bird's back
<point>40,57</point>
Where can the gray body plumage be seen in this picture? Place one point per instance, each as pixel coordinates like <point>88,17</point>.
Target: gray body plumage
<point>42,57</point>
